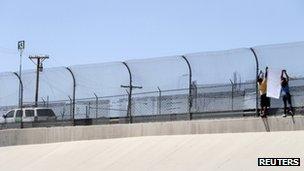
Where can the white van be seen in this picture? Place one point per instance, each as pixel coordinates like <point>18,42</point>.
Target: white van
<point>30,115</point>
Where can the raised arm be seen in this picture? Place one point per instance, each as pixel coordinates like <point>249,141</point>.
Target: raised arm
<point>282,74</point>
<point>260,74</point>
<point>287,77</point>
<point>266,72</point>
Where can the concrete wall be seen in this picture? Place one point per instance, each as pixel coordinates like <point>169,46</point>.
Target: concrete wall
<point>60,134</point>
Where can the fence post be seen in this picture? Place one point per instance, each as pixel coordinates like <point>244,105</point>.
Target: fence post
<point>62,113</point>
<point>232,93</point>
<point>74,92</point>
<point>71,110</point>
<point>96,105</point>
<point>190,88</point>
<point>88,109</point>
<point>86,113</point>
<point>89,112</point>
<point>21,97</point>
<point>159,100</point>
<point>47,101</point>
<point>43,101</point>
<point>256,85</point>
<point>21,93</point>
<point>129,114</point>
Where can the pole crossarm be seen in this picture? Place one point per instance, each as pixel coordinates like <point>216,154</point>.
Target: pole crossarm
<point>42,57</point>
<point>138,87</point>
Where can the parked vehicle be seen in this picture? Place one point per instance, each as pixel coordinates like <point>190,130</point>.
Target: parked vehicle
<point>2,120</point>
<point>30,115</point>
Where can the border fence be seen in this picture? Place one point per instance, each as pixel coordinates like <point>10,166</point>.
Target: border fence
<point>190,86</point>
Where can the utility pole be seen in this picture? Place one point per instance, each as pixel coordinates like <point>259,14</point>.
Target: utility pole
<point>21,46</point>
<point>38,61</point>
<point>130,87</point>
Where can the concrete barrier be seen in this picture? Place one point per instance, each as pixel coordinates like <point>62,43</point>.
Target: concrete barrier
<point>69,133</point>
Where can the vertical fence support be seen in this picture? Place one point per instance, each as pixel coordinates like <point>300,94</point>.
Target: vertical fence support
<point>129,114</point>
<point>256,85</point>
<point>21,97</point>
<point>88,110</point>
<point>73,98</point>
<point>96,105</point>
<point>21,89</point>
<point>47,101</point>
<point>44,103</point>
<point>232,93</point>
<point>62,113</point>
<point>71,108</point>
<point>190,88</point>
<point>159,100</point>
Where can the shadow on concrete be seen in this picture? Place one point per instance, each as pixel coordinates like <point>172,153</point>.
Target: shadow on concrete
<point>265,121</point>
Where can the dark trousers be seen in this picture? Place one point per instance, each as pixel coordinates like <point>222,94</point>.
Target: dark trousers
<point>287,99</point>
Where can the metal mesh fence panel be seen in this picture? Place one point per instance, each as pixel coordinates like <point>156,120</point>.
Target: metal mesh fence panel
<point>165,73</point>
<point>54,84</point>
<point>283,56</point>
<point>100,79</point>
<point>55,90</point>
<point>197,83</point>
<point>229,97</point>
<point>223,81</point>
<point>222,67</point>
<point>297,94</point>
<point>287,56</point>
<point>160,103</point>
<point>159,85</point>
<point>102,107</point>
<point>9,92</point>
<point>99,90</point>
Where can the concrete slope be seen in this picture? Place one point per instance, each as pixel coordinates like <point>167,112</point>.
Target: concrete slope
<point>228,125</point>
<point>230,151</point>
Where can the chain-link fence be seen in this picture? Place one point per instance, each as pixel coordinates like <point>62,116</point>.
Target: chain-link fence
<point>191,86</point>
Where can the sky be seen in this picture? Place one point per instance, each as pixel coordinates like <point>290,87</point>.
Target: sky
<point>95,31</point>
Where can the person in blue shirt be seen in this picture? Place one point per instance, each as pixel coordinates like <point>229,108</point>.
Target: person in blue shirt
<point>286,93</point>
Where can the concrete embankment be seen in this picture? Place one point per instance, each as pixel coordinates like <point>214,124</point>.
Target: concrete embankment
<point>62,134</point>
<point>227,152</point>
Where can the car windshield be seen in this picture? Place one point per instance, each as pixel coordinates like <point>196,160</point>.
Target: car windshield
<point>45,112</point>
<point>10,114</point>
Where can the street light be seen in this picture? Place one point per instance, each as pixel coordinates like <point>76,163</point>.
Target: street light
<point>21,46</point>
